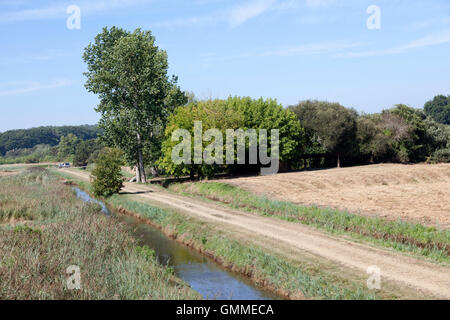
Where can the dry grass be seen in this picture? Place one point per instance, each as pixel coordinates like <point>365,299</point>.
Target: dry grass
<point>62,231</point>
<point>415,193</point>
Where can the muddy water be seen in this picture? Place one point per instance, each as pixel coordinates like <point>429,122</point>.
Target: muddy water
<point>203,274</point>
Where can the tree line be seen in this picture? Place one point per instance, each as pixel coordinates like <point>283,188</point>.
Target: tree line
<point>400,134</point>
<point>15,140</point>
<point>141,106</point>
<point>70,148</point>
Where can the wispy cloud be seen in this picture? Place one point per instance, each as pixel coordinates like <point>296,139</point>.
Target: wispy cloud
<point>430,40</point>
<point>21,87</point>
<point>242,13</point>
<point>233,16</point>
<point>330,48</point>
<point>319,3</point>
<point>58,10</point>
<point>312,49</point>
<point>29,57</point>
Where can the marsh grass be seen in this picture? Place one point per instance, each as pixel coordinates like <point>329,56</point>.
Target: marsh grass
<point>403,236</point>
<point>59,231</point>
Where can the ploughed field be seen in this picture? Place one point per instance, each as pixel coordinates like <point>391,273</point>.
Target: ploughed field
<point>418,193</point>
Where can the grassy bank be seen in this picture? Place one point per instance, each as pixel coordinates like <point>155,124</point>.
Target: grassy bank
<point>45,228</point>
<point>290,279</point>
<point>406,237</point>
<point>266,269</point>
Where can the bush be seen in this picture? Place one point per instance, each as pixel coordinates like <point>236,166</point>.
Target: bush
<point>107,175</point>
<point>442,155</point>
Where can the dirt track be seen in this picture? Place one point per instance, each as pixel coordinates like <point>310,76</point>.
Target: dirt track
<point>419,193</point>
<point>430,279</point>
<point>7,173</point>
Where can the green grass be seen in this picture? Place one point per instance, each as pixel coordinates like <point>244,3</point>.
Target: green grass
<point>12,168</point>
<point>420,240</point>
<point>52,229</point>
<point>271,270</point>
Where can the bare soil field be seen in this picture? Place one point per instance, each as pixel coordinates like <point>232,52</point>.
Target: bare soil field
<point>418,193</point>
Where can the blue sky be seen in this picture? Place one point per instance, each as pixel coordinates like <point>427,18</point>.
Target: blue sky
<point>290,50</point>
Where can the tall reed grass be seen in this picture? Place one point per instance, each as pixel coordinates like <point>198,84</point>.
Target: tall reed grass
<point>45,228</point>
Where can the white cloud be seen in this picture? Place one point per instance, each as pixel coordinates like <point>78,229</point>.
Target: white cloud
<point>319,3</point>
<point>306,49</point>
<point>240,14</point>
<point>59,10</point>
<point>21,87</point>
<point>210,19</point>
<point>234,16</point>
<point>430,40</point>
<point>28,57</point>
<point>312,49</point>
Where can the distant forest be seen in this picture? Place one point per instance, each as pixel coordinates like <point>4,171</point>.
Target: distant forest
<point>28,138</point>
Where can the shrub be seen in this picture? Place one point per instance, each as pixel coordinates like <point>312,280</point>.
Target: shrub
<point>442,155</point>
<point>107,175</point>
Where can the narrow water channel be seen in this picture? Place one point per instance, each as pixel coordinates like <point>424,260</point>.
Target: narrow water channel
<point>203,274</point>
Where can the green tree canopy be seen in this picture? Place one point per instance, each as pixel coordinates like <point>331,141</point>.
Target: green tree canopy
<point>85,150</point>
<point>233,113</point>
<point>439,109</point>
<point>29,138</point>
<point>329,125</point>
<point>413,147</point>
<point>67,147</point>
<point>107,176</point>
<point>129,73</point>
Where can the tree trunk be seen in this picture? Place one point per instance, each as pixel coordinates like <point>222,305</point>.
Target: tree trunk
<point>138,173</point>
<point>140,169</point>
<point>338,160</point>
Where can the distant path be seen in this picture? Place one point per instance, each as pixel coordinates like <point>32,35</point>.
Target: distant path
<point>28,164</point>
<point>429,278</point>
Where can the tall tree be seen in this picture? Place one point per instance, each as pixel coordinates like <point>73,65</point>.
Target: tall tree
<point>333,125</point>
<point>129,73</point>
<point>67,147</point>
<point>439,109</point>
<point>84,151</point>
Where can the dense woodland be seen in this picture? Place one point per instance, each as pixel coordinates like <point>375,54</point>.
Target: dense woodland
<point>317,133</point>
<point>43,144</point>
<point>28,138</point>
